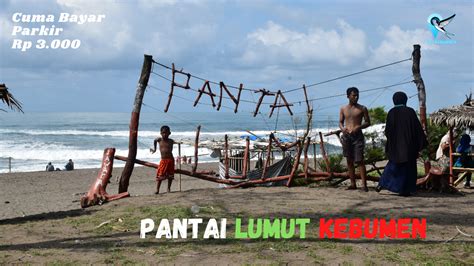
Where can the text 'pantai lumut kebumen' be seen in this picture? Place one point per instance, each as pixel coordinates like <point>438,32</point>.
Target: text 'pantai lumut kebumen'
<point>285,228</point>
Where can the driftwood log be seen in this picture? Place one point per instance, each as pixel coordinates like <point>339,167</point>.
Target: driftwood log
<point>97,193</point>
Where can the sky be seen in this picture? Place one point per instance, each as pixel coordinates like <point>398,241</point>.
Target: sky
<point>276,45</point>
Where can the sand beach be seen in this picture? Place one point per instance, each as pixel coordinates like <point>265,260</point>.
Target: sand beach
<point>41,222</point>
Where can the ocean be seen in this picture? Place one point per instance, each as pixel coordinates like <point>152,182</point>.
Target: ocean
<point>32,140</point>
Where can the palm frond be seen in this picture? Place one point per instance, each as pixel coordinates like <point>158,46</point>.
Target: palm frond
<point>9,100</point>
<point>461,116</point>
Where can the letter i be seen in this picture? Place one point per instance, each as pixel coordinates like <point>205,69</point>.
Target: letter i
<point>223,228</point>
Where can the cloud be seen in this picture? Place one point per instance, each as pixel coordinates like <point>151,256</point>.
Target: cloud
<point>398,44</point>
<point>275,44</point>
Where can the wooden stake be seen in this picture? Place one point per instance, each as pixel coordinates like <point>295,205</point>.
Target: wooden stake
<point>179,164</point>
<point>196,145</point>
<point>451,150</point>
<point>246,157</point>
<point>314,156</point>
<point>267,160</point>
<point>295,164</point>
<point>173,71</point>
<point>306,146</point>
<point>226,156</point>
<point>306,99</point>
<point>323,151</point>
<point>134,121</point>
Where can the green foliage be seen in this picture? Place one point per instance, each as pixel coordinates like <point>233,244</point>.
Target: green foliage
<point>375,148</point>
<point>377,115</point>
<point>374,154</point>
<point>334,163</point>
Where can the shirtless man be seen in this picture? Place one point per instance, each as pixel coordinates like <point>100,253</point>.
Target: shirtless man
<point>350,123</point>
<point>165,169</point>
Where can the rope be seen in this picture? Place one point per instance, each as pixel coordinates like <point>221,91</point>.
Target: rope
<point>299,88</point>
<point>175,117</point>
<point>344,94</point>
<point>203,79</point>
<point>310,100</point>
<point>349,75</point>
<point>384,90</point>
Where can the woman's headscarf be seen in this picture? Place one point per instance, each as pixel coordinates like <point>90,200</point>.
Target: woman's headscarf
<point>400,98</point>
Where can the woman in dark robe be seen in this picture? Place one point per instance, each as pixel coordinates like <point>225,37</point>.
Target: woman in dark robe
<point>405,139</point>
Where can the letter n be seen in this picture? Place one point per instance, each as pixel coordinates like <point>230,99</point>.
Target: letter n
<point>236,101</point>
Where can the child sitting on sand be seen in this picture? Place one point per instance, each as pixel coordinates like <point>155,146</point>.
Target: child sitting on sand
<point>166,167</point>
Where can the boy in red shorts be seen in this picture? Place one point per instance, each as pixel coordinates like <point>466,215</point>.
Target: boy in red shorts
<point>166,167</point>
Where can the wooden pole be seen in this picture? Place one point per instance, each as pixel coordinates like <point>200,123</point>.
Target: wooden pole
<point>451,150</point>
<point>314,156</point>
<point>295,164</point>
<point>196,144</point>
<point>173,73</point>
<point>133,135</point>
<point>179,164</point>
<point>323,152</point>
<point>226,156</point>
<point>267,160</point>
<point>246,157</point>
<point>306,146</point>
<point>420,85</point>
<point>306,99</point>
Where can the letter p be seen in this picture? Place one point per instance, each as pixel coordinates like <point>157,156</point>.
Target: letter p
<point>146,226</point>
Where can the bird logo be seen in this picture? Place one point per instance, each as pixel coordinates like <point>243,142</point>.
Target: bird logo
<point>437,24</point>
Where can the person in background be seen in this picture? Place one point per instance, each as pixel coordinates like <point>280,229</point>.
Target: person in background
<point>49,167</point>
<point>165,169</point>
<point>405,139</point>
<point>70,165</point>
<point>442,154</point>
<point>465,160</point>
<point>353,142</point>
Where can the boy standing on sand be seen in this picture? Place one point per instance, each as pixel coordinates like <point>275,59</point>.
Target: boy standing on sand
<point>166,167</point>
<point>353,142</point>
